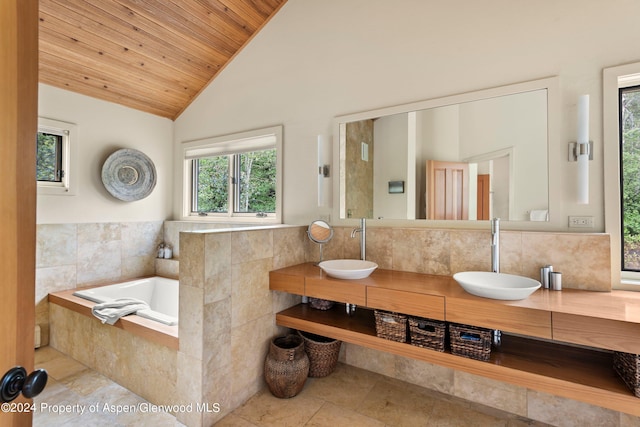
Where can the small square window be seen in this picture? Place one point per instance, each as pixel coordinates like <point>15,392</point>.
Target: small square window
<point>55,149</point>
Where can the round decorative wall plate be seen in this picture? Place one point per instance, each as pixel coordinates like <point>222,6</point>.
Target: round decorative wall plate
<point>129,175</point>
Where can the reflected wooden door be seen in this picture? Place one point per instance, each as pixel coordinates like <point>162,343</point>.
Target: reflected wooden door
<point>483,197</point>
<point>447,190</point>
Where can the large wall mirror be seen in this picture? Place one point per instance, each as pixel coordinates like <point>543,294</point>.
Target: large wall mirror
<point>473,156</point>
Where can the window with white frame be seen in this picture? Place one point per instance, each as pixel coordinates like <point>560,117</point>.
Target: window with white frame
<point>234,177</point>
<point>621,126</point>
<point>55,155</point>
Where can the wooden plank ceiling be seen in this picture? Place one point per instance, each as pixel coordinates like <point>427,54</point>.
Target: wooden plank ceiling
<point>151,55</point>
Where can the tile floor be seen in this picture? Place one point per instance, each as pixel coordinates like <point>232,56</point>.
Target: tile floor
<point>348,397</point>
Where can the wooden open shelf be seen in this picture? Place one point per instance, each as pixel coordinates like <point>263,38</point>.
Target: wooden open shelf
<point>574,372</point>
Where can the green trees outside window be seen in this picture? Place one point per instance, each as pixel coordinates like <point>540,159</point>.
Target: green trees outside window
<point>49,157</point>
<point>253,182</point>
<point>630,172</point>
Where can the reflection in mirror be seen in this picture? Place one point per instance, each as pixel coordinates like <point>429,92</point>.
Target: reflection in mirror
<point>473,160</point>
<point>320,232</point>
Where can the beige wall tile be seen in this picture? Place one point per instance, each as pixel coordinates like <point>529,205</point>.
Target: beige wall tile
<point>371,360</point>
<point>511,253</point>
<point>138,266</point>
<point>470,250</point>
<point>99,232</point>
<point>190,323</point>
<point>218,379</point>
<point>99,261</point>
<point>436,252</point>
<point>251,245</point>
<point>54,279</point>
<point>288,246</point>
<point>407,249</point>
<point>141,239</point>
<point>189,388</point>
<point>192,260</point>
<point>283,300</point>
<point>249,346</point>
<point>559,411</point>
<point>424,374</point>
<point>56,245</point>
<point>583,259</point>
<point>250,291</point>
<point>167,268</point>
<point>379,249</point>
<point>217,268</point>
<point>489,392</point>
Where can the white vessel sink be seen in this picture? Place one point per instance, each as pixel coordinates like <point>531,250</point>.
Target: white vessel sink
<point>348,268</point>
<point>496,285</point>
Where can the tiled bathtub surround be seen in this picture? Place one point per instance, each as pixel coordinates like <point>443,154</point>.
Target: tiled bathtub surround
<point>74,255</point>
<point>144,367</point>
<point>227,313</point>
<point>583,259</point>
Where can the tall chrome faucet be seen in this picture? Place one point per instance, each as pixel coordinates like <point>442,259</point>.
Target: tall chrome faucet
<point>363,237</point>
<point>496,336</point>
<point>495,245</point>
<point>351,308</point>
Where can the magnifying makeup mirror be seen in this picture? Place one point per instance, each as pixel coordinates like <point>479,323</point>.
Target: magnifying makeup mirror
<point>320,232</point>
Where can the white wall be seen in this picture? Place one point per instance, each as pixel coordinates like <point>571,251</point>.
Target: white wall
<point>390,164</point>
<point>104,127</point>
<point>318,59</point>
<point>511,122</point>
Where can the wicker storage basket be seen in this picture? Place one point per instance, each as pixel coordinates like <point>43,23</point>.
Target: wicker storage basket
<point>427,333</point>
<point>323,353</point>
<point>391,326</point>
<point>627,365</point>
<point>470,341</point>
<point>286,366</point>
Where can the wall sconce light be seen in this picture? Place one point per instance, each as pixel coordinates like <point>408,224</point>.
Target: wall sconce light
<point>582,150</point>
<point>324,172</point>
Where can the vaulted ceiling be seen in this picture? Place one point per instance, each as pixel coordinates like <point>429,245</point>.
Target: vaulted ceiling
<point>151,55</point>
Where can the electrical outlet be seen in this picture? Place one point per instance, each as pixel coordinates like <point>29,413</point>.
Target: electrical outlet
<point>580,222</point>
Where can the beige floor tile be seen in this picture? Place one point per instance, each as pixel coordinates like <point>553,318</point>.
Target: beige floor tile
<point>398,404</point>
<point>86,382</point>
<point>233,420</point>
<point>146,419</point>
<point>333,415</point>
<point>265,410</point>
<point>349,396</point>
<point>60,368</point>
<point>347,386</point>
<point>45,354</point>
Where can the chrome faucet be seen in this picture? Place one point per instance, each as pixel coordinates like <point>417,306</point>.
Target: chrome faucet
<point>351,308</point>
<point>363,237</point>
<point>495,245</point>
<point>496,336</point>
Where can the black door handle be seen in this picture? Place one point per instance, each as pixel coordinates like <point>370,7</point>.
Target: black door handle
<point>16,381</point>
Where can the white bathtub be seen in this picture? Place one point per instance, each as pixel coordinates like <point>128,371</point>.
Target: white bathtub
<point>160,293</point>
